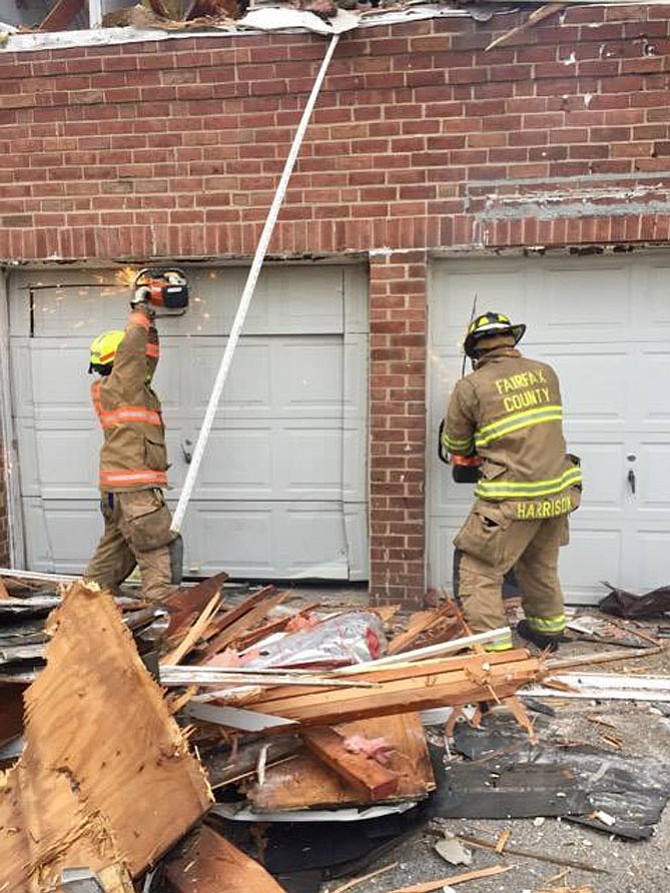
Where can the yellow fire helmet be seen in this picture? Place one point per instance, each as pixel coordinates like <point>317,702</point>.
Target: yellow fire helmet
<point>103,351</point>
<point>489,324</point>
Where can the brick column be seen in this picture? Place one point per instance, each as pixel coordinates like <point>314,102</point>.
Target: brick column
<point>397,426</point>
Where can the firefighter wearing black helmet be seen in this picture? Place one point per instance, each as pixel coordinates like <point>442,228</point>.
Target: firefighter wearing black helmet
<point>509,412</point>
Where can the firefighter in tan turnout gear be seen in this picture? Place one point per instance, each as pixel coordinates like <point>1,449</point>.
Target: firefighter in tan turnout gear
<point>133,460</point>
<point>508,412</point>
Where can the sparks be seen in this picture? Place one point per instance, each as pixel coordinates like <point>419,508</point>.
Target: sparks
<point>126,276</point>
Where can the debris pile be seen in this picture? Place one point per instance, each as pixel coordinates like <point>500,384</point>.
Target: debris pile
<point>289,711</point>
<point>278,740</point>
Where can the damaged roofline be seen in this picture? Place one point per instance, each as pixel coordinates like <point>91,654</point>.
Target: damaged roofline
<point>286,21</point>
<point>237,260</point>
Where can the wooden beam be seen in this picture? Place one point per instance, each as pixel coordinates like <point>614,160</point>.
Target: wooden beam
<point>208,863</point>
<point>441,624</point>
<point>305,782</point>
<point>192,636</point>
<point>244,623</point>
<point>186,602</point>
<point>61,15</point>
<point>412,670</point>
<point>471,684</point>
<point>365,774</point>
<point>453,880</point>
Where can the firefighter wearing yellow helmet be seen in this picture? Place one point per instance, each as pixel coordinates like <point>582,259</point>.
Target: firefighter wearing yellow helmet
<point>133,460</point>
<point>508,412</point>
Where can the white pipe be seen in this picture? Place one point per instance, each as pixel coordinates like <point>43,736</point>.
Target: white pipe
<point>94,14</point>
<point>248,292</point>
<point>36,575</point>
<point>438,650</point>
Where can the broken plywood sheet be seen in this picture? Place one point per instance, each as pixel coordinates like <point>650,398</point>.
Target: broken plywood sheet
<point>208,863</point>
<point>102,757</point>
<point>305,781</point>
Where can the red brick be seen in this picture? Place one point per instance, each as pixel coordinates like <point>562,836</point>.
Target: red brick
<point>191,139</point>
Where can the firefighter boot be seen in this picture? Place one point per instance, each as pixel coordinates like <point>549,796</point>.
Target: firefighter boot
<point>541,640</point>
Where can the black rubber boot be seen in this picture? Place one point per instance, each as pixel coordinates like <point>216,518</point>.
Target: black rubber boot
<point>545,643</point>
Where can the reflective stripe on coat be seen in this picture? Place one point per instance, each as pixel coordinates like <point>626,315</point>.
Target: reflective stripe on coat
<point>133,454</point>
<point>509,411</point>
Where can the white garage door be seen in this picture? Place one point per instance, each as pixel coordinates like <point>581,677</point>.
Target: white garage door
<point>604,324</point>
<point>282,488</point>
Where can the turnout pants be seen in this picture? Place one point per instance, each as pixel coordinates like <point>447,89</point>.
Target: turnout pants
<point>137,533</point>
<point>490,545</point>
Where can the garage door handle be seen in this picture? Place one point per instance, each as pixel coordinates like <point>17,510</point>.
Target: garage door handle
<point>186,450</point>
<point>631,481</point>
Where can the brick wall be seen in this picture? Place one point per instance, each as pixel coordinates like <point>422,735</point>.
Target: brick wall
<point>421,140</point>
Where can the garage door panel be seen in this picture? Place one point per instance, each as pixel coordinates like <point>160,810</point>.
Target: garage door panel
<point>83,310</point>
<point>574,286</point>
<point>594,554</point>
<point>63,534</point>
<point>602,322</point>
<point>284,301</point>
<point>652,553</point>
<point>52,381</point>
<point>248,388</point>
<point>70,459</point>
<point>652,300</point>
<point>653,371</point>
<point>283,484</point>
<point>237,464</point>
<point>319,534</point>
<point>594,384</point>
<point>273,460</point>
<point>311,464</point>
<point>454,292</point>
<point>309,376</point>
<point>604,470</point>
<point>270,540</point>
<point>652,480</point>
<point>281,377</point>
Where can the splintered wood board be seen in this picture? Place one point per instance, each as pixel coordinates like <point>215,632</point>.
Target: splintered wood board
<point>480,678</point>
<point>105,776</point>
<point>405,669</point>
<point>208,863</point>
<point>440,624</point>
<point>305,781</point>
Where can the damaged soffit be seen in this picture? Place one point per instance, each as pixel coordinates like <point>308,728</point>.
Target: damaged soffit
<point>115,22</point>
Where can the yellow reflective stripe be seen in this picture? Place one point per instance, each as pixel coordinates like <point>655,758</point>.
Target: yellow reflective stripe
<point>516,421</point>
<point>518,490</point>
<point>502,644</point>
<point>454,445</point>
<point>547,624</point>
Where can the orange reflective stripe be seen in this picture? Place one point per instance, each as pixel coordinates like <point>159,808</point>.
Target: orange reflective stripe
<point>127,478</point>
<point>95,397</point>
<point>139,319</point>
<point>126,414</point>
<point>153,350</point>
